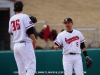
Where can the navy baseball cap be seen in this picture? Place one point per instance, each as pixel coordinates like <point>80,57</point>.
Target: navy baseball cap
<point>18,4</point>
<point>67,19</point>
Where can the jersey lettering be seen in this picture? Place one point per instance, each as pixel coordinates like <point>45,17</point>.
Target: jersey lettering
<point>15,25</point>
<point>77,44</point>
<point>71,39</point>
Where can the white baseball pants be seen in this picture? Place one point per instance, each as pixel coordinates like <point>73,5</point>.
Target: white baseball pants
<point>71,62</point>
<point>25,58</point>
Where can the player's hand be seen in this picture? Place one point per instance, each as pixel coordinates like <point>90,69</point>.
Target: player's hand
<point>34,44</point>
<point>56,47</point>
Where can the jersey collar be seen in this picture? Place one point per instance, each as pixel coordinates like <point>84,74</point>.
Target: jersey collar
<point>70,31</point>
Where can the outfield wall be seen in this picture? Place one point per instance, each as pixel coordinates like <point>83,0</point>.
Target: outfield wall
<point>49,62</point>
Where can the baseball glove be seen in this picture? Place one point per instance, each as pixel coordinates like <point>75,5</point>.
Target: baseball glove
<point>88,62</point>
<point>33,19</point>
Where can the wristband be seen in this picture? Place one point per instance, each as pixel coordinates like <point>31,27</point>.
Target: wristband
<point>85,53</point>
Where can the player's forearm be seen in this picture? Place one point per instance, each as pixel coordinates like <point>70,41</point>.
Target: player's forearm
<point>56,47</point>
<point>31,34</point>
<point>85,52</point>
<point>84,49</point>
<point>33,38</point>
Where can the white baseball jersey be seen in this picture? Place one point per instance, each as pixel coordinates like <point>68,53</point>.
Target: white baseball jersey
<point>70,41</point>
<point>18,25</point>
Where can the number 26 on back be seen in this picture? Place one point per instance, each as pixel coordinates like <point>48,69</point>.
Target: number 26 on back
<point>16,25</point>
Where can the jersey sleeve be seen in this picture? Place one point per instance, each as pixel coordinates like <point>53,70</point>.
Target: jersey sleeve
<point>58,40</point>
<point>10,27</point>
<point>27,22</point>
<point>82,39</point>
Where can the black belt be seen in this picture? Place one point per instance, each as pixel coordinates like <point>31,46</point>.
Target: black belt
<point>73,53</point>
<point>22,41</point>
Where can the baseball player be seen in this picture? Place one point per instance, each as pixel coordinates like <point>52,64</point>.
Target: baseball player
<point>21,27</point>
<point>72,42</point>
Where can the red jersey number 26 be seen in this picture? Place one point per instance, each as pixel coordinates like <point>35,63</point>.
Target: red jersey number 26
<point>16,25</point>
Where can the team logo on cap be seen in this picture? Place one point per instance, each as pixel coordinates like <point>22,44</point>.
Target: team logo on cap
<point>66,19</point>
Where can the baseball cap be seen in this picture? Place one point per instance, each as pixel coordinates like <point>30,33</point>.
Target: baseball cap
<point>67,19</point>
<point>18,4</point>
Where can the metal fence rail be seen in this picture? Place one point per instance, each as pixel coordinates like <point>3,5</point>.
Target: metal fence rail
<point>90,34</point>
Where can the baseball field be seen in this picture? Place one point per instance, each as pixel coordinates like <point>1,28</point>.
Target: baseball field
<point>84,15</point>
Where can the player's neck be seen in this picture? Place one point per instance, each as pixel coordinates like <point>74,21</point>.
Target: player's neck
<point>70,30</point>
<point>18,12</point>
